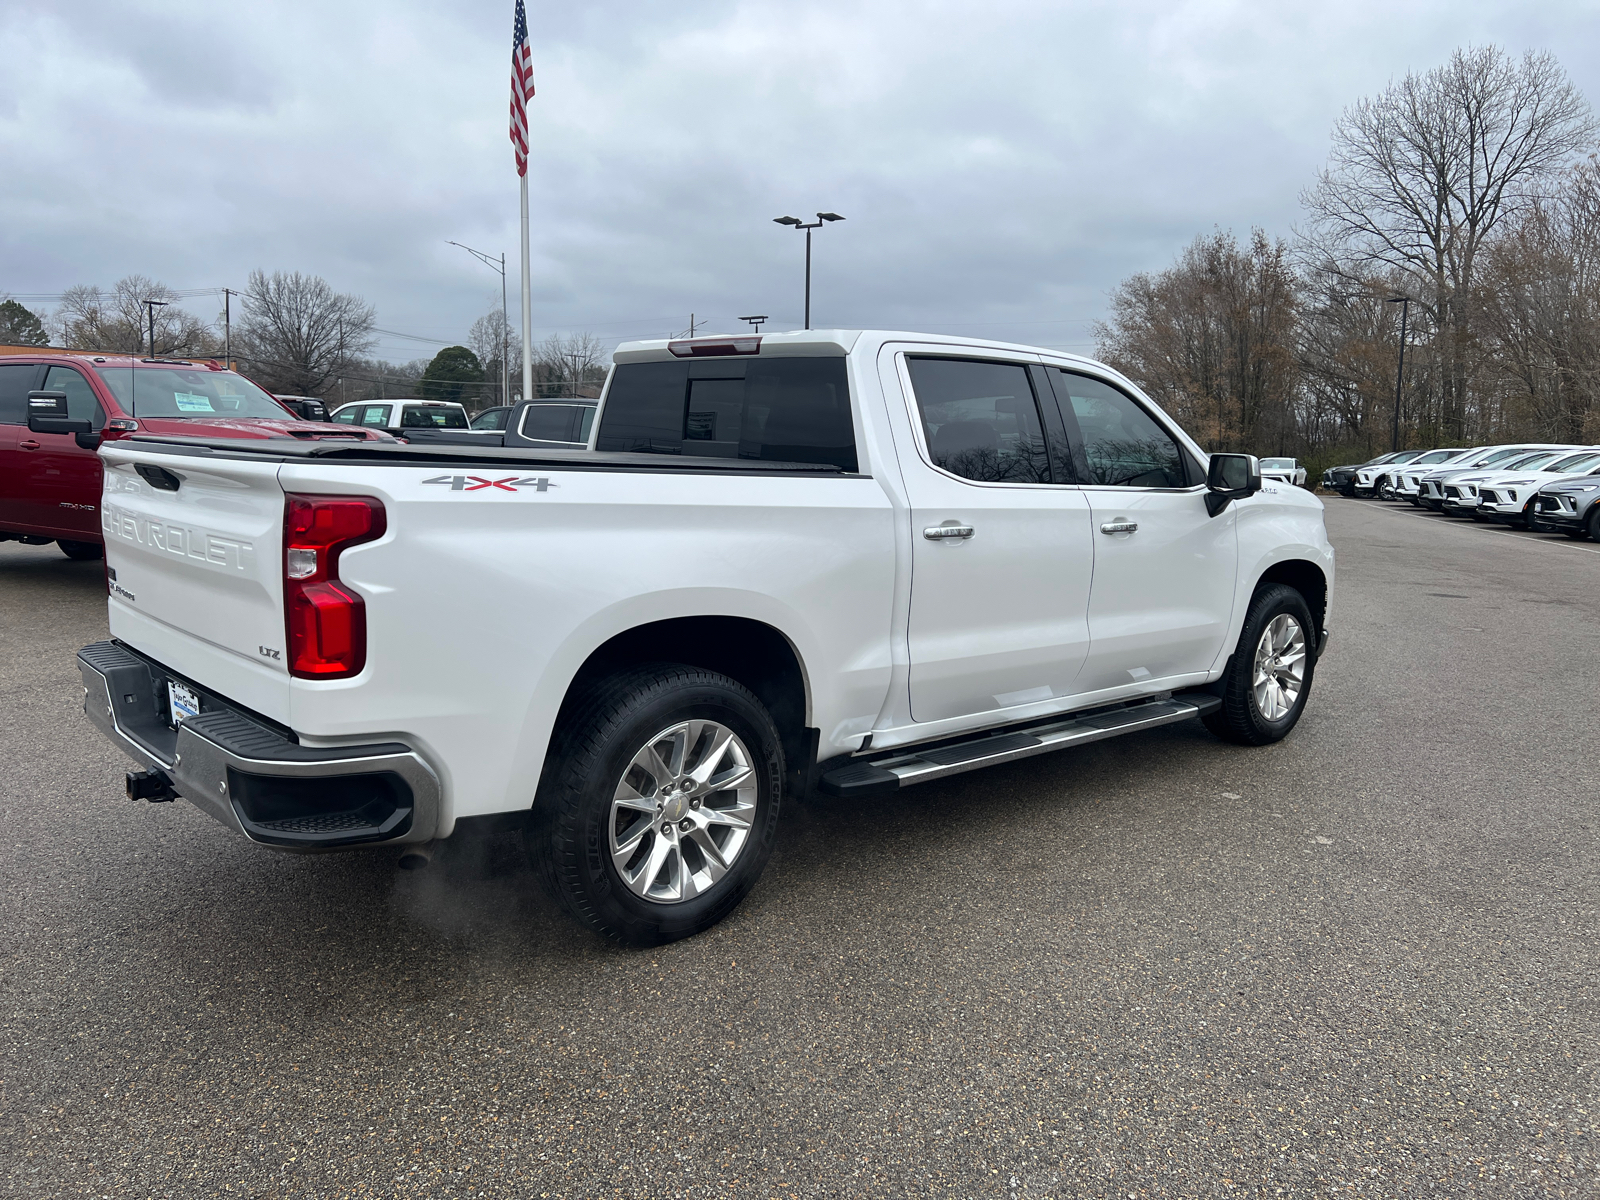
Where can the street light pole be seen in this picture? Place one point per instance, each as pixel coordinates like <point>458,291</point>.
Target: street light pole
<point>797,223</point>
<point>505,322</point>
<point>1400,375</point>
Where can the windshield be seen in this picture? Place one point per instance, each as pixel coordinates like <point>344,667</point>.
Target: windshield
<point>1435,456</point>
<point>1405,456</point>
<point>1578,462</point>
<point>1278,464</point>
<point>433,418</point>
<point>1530,461</point>
<point>190,392</point>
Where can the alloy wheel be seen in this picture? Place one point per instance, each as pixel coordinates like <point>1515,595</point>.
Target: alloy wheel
<point>682,812</point>
<point>1280,663</point>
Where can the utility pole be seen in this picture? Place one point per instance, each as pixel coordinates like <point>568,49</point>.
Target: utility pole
<point>799,224</point>
<point>150,307</point>
<point>691,324</point>
<point>227,329</point>
<point>1400,375</point>
<point>505,321</point>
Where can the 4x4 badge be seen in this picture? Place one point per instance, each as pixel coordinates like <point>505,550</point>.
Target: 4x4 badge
<point>476,483</point>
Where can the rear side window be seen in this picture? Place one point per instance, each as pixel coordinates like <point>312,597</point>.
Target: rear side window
<point>376,414</point>
<point>980,419</point>
<point>81,402</point>
<point>549,422</point>
<point>776,409</point>
<point>16,381</point>
<point>1121,444</point>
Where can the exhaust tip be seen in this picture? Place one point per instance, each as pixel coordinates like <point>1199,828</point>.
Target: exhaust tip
<point>414,858</point>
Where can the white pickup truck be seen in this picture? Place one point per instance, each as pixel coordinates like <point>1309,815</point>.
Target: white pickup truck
<point>831,562</point>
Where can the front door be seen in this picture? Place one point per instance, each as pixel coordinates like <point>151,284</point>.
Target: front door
<point>1164,569</point>
<point>1003,554</point>
<point>62,479</point>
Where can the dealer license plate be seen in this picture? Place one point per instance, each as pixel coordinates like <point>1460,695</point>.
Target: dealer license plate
<point>182,700</point>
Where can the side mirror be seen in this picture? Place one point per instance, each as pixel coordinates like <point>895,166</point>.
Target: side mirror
<point>1231,477</point>
<point>47,413</point>
<point>312,410</point>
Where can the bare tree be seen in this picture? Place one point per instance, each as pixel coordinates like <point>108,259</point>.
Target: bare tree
<point>490,338</point>
<point>90,319</point>
<point>298,334</point>
<point>569,364</point>
<point>1422,176</point>
<point>1212,339</point>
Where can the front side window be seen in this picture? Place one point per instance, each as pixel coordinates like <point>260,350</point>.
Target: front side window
<point>81,402</point>
<point>189,392</point>
<point>980,419</point>
<point>778,410</point>
<point>1122,445</point>
<point>495,418</point>
<point>346,416</point>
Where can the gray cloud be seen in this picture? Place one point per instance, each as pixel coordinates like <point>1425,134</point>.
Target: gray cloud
<point>1001,164</point>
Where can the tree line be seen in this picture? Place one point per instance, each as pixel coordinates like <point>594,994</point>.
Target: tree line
<point>1466,200</point>
<point>295,335</point>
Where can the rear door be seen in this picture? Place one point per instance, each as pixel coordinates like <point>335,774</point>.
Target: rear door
<point>1002,554</point>
<point>16,381</point>
<point>61,482</point>
<point>1164,567</point>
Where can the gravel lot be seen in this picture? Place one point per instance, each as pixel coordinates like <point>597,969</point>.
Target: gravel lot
<point>1362,962</point>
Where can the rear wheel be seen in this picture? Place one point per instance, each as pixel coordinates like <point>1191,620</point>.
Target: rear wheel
<point>1591,527</point>
<point>659,803</point>
<point>1267,680</point>
<point>82,551</point>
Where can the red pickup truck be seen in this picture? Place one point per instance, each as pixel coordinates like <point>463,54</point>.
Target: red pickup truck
<point>50,482</point>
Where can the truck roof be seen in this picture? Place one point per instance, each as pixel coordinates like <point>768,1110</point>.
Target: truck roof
<point>806,343</point>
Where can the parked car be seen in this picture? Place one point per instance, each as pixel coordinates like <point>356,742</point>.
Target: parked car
<point>1570,506</point>
<point>550,424</point>
<point>1343,479</point>
<point>50,477</point>
<point>1405,483</point>
<point>1368,479</point>
<point>1431,490</point>
<point>719,609</point>
<point>1285,470</point>
<point>1461,498</point>
<point>1507,496</point>
<point>396,417</point>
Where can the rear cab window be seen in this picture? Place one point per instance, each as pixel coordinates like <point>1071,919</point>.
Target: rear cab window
<point>418,416</point>
<point>550,422</point>
<point>776,409</point>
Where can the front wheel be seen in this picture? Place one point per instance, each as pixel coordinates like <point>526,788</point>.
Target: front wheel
<point>1268,678</point>
<point>659,803</point>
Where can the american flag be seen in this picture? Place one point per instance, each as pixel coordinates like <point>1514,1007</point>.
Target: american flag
<point>521,88</point>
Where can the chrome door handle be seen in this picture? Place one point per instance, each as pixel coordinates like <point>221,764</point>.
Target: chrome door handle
<point>1119,527</point>
<point>940,533</point>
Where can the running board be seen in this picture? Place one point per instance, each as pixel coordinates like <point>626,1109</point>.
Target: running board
<point>880,776</point>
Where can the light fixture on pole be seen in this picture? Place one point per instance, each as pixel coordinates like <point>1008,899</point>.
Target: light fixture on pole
<point>755,323</point>
<point>505,324</point>
<point>1400,375</point>
<point>799,224</point>
<point>150,307</point>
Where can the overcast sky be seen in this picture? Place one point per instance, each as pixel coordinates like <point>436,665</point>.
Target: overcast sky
<point>1001,164</point>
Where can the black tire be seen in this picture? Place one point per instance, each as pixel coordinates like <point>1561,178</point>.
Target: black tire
<point>82,551</point>
<point>568,835</point>
<point>1240,719</point>
<point>1591,527</point>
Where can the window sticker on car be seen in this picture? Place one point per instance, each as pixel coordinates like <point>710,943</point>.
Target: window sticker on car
<point>189,402</point>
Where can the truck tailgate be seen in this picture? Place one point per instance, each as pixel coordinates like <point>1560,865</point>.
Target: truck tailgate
<point>193,549</point>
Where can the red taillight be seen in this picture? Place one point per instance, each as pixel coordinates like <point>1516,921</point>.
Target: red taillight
<point>326,621</point>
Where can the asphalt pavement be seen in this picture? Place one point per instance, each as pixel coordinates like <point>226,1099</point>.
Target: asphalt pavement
<point>1362,962</point>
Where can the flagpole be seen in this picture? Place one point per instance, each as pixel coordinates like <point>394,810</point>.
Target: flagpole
<point>527,303</point>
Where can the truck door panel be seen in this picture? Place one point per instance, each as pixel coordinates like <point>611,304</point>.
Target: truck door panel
<point>16,381</point>
<point>62,479</point>
<point>998,618</point>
